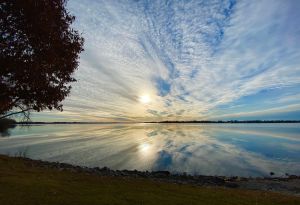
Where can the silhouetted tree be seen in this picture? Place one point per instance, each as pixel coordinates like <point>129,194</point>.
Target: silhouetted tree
<point>39,51</point>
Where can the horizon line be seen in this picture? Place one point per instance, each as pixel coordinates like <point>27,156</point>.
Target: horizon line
<point>164,121</point>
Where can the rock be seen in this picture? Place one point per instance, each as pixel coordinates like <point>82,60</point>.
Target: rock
<point>231,185</point>
<point>161,174</point>
<point>294,177</point>
<point>218,180</point>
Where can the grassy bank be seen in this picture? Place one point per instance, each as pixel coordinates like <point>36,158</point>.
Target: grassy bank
<point>21,182</point>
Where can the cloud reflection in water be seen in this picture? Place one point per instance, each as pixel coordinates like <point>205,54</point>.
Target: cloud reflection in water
<point>237,149</point>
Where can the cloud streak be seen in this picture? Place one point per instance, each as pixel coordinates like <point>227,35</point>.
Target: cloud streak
<point>192,58</point>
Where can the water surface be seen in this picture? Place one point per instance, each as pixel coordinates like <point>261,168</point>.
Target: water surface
<point>209,149</point>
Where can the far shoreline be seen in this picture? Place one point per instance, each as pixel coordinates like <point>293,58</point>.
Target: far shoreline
<point>171,122</point>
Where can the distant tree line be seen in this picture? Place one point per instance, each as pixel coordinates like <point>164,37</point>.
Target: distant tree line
<point>192,121</point>
<point>231,121</point>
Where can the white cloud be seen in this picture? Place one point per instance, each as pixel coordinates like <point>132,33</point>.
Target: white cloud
<point>206,54</point>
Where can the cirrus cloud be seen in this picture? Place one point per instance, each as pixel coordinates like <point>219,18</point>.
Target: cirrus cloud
<point>194,59</point>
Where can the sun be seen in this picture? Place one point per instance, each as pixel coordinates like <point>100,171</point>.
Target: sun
<point>144,99</point>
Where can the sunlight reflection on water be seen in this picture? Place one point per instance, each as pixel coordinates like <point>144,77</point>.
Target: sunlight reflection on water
<point>209,149</point>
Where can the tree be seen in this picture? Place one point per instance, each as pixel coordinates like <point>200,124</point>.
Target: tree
<point>39,52</point>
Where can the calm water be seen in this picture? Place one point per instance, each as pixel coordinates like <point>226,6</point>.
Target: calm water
<point>209,149</point>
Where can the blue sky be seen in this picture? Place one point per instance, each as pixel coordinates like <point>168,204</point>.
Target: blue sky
<point>185,60</point>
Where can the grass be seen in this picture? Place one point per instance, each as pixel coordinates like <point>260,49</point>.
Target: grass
<point>23,183</point>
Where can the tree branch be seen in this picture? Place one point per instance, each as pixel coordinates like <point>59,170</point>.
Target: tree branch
<point>14,113</point>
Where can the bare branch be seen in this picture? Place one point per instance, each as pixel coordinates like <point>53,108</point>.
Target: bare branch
<point>15,113</point>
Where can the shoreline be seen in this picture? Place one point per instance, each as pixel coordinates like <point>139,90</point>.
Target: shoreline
<point>172,122</point>
<point>286,185</point>
<point>26,181</point>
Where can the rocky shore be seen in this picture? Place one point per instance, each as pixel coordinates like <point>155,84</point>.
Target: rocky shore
<point>287,185</point>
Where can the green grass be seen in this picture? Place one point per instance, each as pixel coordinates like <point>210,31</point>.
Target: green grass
<point>22,183</point>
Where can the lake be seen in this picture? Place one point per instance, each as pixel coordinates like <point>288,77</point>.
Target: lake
<point>207,149</point>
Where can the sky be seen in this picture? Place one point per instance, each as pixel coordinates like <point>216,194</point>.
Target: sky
<point>153,60</point>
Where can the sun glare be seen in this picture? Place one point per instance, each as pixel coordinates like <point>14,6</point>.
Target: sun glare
<point>144,99</point>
